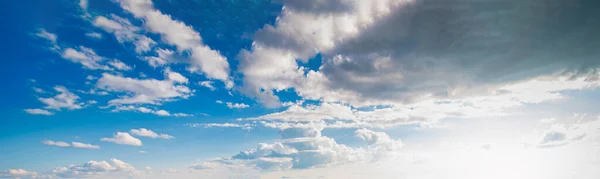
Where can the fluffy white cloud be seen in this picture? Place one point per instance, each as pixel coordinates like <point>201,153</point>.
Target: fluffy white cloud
<point>174,76</point>
<point>300,32</point>
<point>86,57</point>
<point>39,111</point>
<point>305,147</point>
<point>184,37</point>
<point>144,91</point>
<point>56,143</point>
<point>123,138</point>
<point>231,105</point>
<point>119,65</point>
<point>92,168</point>
<point>65,100</point>
<point>149,133</point>
<point>372,137</point>
<point>124,31</point>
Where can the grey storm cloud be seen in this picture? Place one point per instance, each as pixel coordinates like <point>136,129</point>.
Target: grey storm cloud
<point>446,48</point>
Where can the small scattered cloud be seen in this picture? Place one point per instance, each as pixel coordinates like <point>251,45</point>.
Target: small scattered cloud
<point>83,145</point>
<point>51,37</point>
<point>149,133</point>
<point>94,35</point>
<point>39,112</point>
<point>64,100</point>
<point>158,112</point>
<point>231,105</point>
<point>73,144</point>
<point>207,84</point>
<point>85,57</point>
<point>119,65</point>
<point>221,125</point>
<point>56,143</point>
<point>123,138</point>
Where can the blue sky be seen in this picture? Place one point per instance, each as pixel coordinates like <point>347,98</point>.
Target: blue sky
<point>299,89</point>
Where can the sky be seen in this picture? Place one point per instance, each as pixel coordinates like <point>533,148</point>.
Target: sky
<point>300,89</point>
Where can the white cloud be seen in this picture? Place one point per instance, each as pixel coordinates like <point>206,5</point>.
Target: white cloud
<point>18,173</point>
<point>83,4</point>
<point>94,35</point>
<point>142,109</point>
<point>148,133</point>
<point>73,144</point>
<point>38,90</point>
<point>176,77</point>
<point>231,105</point>
<point>236,105</point>
<point>65,99</point>
<point>143,91</point>
<point>182,115</point>
<point>560,134</point>
<point>83,145</point>
<point>207,84</point>
<point>86,57</point>
<point>92,168</point>
<point>119,65</point>
<point>124,31</point>
<point>56,143</point>
<point>123,138</point>
<point>174,32</point>
<point>206,165</point>
<point>372,137</point>
<point>305,147</point>
<point>47,35</point>
<point>39,111</point>
<point>225,125</point>
<point>164,56</point>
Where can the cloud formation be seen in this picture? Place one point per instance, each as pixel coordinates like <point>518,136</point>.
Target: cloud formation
<point>73,144</point>
<point>92,169</point>
<point>304,147</point>
<point>203,59</point>
<point>123,138</point>
<point>148,133</point>
<point>145,91</point>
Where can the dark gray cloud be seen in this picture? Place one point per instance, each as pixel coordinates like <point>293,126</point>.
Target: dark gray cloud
<point>446,48</point>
